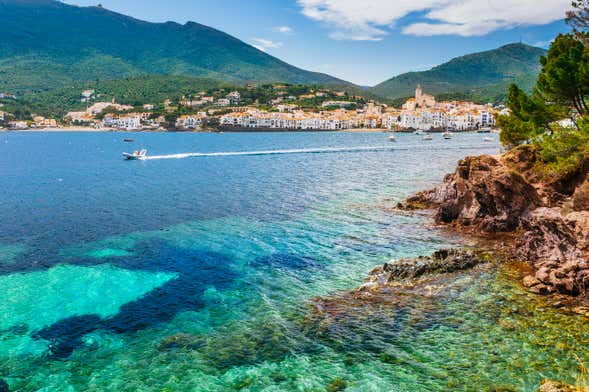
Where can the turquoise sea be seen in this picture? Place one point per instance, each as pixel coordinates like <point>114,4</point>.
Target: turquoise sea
<point>201,272</point>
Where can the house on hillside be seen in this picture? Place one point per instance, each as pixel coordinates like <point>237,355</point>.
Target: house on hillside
<point>234,97</point>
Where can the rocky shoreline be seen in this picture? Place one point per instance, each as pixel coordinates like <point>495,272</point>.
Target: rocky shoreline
<point>502,204</point>
<point>512,214</point>
<point>548,221</point>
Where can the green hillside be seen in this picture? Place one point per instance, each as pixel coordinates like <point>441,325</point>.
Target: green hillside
<point>155,89</point>
<point>134,91</point>
<point>46,44</point>
<point>479,76</point>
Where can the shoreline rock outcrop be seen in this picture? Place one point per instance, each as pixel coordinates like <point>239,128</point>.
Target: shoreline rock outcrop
<point>399,282</point>
<point>444,261</point>
<point>549,219</point>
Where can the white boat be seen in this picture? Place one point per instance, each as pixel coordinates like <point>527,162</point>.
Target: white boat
<point>488,139</point>
<point>428,137</point>
<point>136,155</point>
<point>418,132</point>
<point>392,138</point>
<point>447,135</point>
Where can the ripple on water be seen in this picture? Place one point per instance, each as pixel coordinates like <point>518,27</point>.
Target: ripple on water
<point>209,286</point>
<point>9,253</point>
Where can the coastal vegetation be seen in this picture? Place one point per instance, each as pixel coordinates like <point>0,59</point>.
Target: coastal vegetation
<point>552,119</point>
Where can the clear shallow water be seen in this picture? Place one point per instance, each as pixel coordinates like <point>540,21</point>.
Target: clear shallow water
<point>198,272</point>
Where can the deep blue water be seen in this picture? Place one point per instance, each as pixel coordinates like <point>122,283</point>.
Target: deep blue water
<point>197,273</point>
<point>69,188</point>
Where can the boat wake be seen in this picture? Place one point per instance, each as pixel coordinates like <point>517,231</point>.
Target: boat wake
<point>270,152</point>
<point>325,150</point>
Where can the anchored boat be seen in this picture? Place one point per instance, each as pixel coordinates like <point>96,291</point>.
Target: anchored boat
<point>135,155</point>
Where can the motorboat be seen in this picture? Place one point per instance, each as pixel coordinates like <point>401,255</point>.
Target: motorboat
<point>418,132</point>
<point>447,135</point>
<point>428,137</point>
<point>392,138</point>
<point>128,140</point>
<point>484,130</point>
<point>488,139</point>
<point>135,155</point>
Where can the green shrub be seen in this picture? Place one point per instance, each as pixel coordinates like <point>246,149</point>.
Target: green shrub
<point>564,151</point>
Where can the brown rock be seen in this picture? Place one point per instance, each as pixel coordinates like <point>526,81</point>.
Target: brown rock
<point>420,201</point>
<point>440,262</point>
<point>581,197</point>
<point>555,386</point>
<point>541,289</point>
<point>557,246</point>
<point>482,193</point>
<point>547,236</point>
<point>582,310</point>
<point>508,194</point>
<point>543,274</point>
<point>530,281</point>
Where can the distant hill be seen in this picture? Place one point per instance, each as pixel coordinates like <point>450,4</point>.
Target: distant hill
<point>46,44</point>
<point>480,76</point>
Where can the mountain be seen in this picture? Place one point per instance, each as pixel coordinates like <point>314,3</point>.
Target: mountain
<point>47,44</point>
<point>484,76</point>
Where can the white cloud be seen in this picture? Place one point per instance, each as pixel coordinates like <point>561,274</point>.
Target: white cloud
<point>543,44</point>
<point>265,44</point>
<point>283,29</point>
<point>368,20</point>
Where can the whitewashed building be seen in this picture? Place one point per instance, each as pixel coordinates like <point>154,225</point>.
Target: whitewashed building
<point>189,122</point>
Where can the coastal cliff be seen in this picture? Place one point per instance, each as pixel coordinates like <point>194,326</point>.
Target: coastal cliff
<point>548,219</point>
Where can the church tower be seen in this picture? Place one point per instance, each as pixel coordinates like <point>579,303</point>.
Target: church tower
<point>418,93</point>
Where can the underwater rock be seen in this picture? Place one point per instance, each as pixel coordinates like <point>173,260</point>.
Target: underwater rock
<point>182,341</point>
<point>4,386</point>
<point>582,310</point>
<point>555,386</point>
<point>337,385</point>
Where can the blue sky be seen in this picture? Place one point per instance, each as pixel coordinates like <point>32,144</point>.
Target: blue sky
<point>363,41</point>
